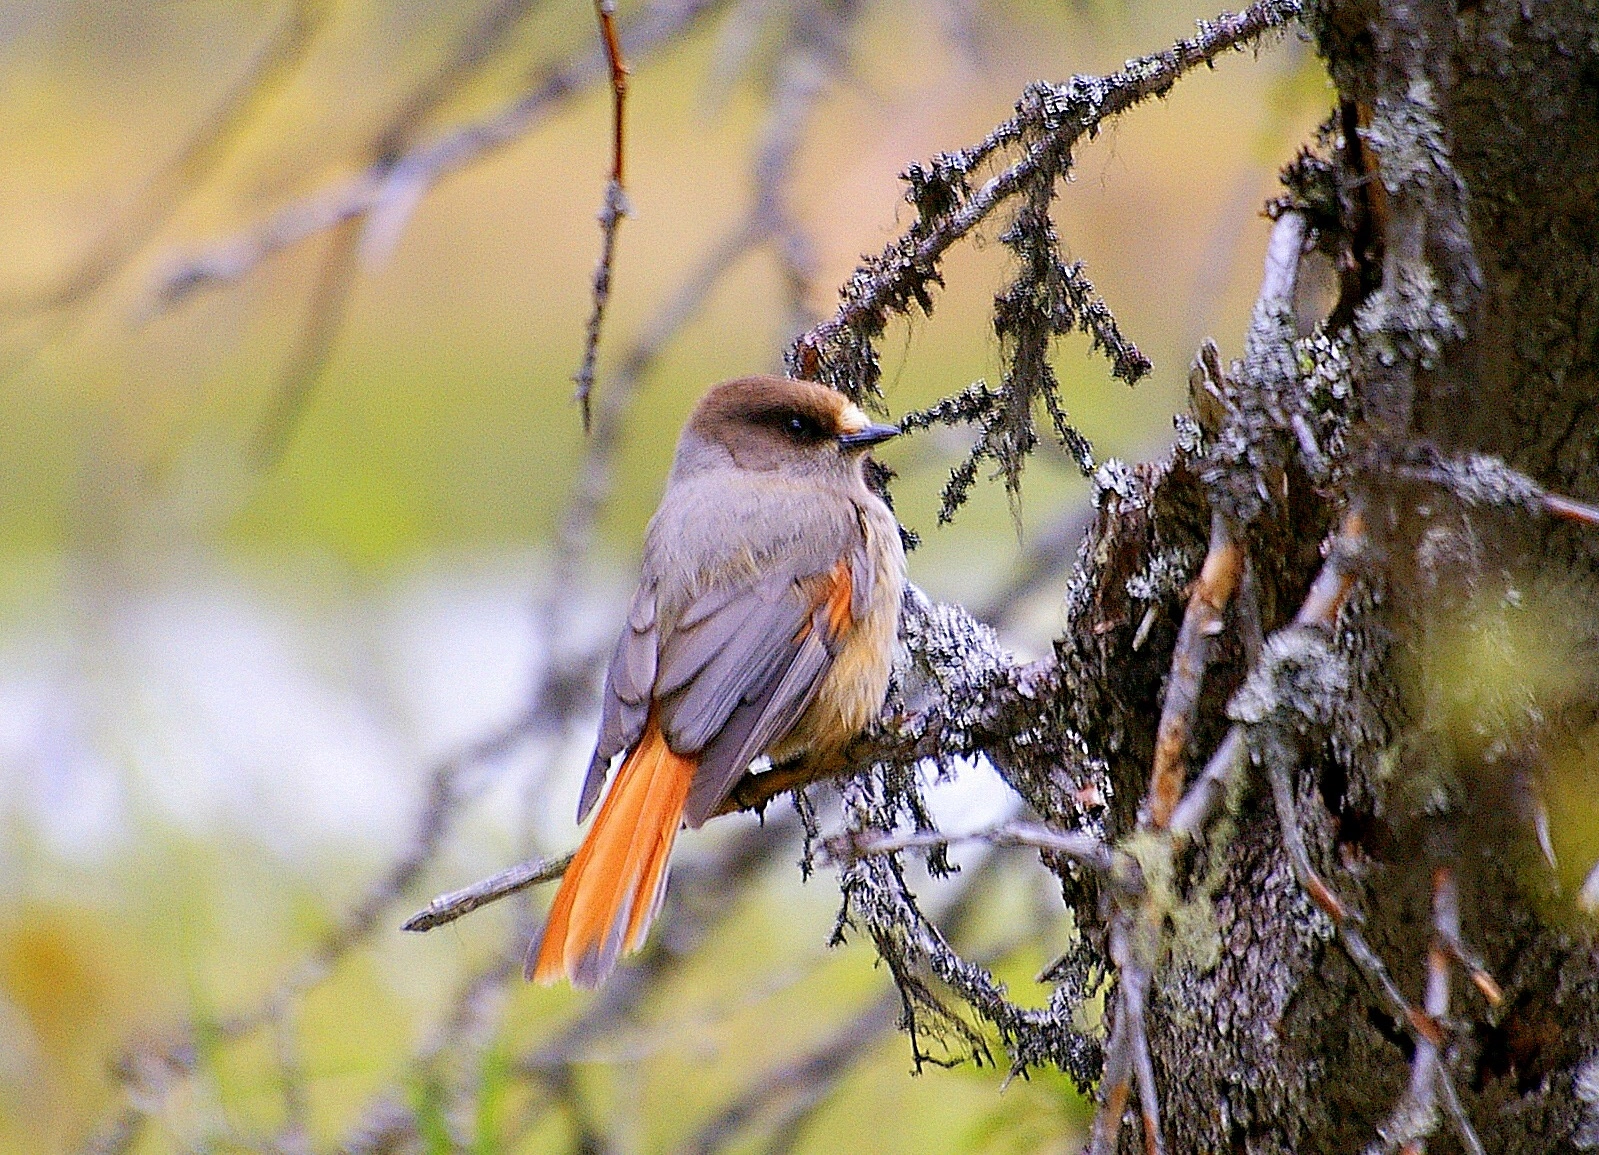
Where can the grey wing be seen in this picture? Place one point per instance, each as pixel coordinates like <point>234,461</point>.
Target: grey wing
<point>628,681</point>
<point>737,679</point>
<point>766,713</point>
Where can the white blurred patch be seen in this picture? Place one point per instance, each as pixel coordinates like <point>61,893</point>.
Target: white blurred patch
<point>974,798</point>
<point>298,712</point>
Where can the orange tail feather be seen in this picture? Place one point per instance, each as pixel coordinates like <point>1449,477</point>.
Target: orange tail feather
<point>614,886</point>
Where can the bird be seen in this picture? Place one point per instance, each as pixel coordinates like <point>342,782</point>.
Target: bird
<point>764,623</point>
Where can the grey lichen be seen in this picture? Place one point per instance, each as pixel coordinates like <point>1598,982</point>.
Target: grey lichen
<point>1407,320</point>
<point>1301,682</point>
<point>1585,1086</point>
<point>954,664</point>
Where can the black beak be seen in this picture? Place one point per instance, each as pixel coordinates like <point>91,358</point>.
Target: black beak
<point>871,435</point>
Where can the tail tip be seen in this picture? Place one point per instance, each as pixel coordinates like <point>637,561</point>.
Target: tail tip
<point>586,973</point>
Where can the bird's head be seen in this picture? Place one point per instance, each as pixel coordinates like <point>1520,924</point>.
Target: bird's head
<point>776,423</point>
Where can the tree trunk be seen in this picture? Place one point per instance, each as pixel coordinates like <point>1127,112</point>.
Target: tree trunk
<point>1468,681</point>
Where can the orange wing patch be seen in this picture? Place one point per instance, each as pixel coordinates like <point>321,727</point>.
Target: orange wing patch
<point>840,592</point>
<point>835,590</point>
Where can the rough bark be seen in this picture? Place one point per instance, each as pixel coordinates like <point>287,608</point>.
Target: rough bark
<point>1272,1042</point>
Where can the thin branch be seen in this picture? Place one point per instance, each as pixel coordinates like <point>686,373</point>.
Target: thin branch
<point>294,1135</point>
<point>1202,624</point>
<point>614,207</point>
<point>476,48</point>
<point>324,317</point>
<point>1420,1024</point>
<point>1464,1131</point>
<point>1084,849</point>
<point>1116,1079</point>
<point>1446,928</point>
<point>1479,479</point>
<point>1205,794</point>
<point>119,1135</point>
<point>446,908</point>
<point>1417,1116</point>
<point>1135,992</point>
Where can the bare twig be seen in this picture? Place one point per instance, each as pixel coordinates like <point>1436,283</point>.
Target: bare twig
<point>1479,479</point>
<point>1225,563</point>
<point>1206,792</point>
<point>1134,995</point>
<point>614,207</point>
<point>119,1134</point>
<point>1446,928</point>
<point>486,36</point>
<point>446,908</point>
<point>1464,1131</point>
<point>1085,849</point>
<point>1569,509</point>
<point>294,1136</point>
<point>1420,1024</point>
<point>324,317</point>
<point>1417,1116</point>
<point>1202,623</point>
<point>1134,937</point>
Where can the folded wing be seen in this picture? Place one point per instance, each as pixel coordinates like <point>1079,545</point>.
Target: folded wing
<point>732,673</point>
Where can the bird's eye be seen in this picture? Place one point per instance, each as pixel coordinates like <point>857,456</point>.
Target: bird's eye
<point>796,425</point>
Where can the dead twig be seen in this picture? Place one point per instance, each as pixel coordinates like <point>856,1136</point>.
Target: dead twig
<point>612,209</point>
<point>446,908</point>
<point>1417,1116</point>
<point>1134,940</point>
<point>1202,624</point>
<point>1482,480</point>
<point>1085,849</point>
<point>324,318</point>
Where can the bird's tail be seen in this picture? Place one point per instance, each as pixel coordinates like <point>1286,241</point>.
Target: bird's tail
<point>615,884</point>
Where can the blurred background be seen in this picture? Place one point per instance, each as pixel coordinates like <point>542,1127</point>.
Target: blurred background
<point>303,573</point>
